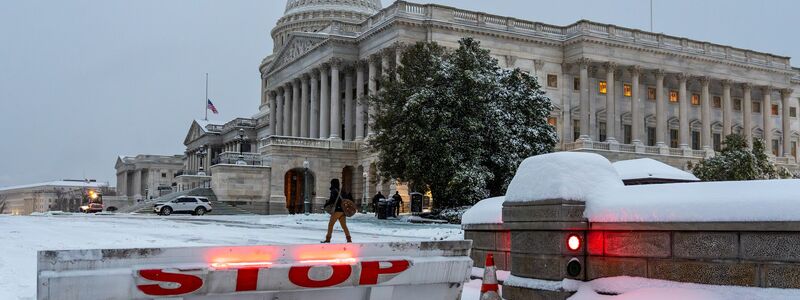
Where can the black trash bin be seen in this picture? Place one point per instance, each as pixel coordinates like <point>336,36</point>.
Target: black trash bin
<point>416,203</point>
<point>382,207</point>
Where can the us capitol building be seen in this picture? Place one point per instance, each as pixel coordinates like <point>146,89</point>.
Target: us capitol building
<point>620,92</point>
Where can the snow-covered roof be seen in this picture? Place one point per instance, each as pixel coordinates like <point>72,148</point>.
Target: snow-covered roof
<point>487,211</point>
<point>723,201</point>
<point>562,175</point>
<point>647,168</point>
<point>59,183</point>
<point>204,124</point>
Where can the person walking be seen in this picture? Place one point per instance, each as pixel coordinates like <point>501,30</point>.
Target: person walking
<point>334,206</point>
<point>375,200</point>
<point>398,202</point>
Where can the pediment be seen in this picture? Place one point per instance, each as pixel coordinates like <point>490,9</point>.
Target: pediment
<point>195,132</point>
<point>298,45</point>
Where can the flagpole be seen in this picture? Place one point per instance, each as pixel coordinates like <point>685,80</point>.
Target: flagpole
<point>205,102</point>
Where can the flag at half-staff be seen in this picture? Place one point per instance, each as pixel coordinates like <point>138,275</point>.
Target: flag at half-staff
<point>211,107</point>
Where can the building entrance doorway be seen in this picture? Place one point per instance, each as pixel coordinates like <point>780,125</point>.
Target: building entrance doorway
<point>298,185</point>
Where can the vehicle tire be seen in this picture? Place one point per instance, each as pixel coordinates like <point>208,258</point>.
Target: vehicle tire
<point>200,211</point>
<point>166,211</point>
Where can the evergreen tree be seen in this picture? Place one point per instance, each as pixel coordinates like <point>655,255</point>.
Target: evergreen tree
<point>456,123</point>
<point>737,162</point>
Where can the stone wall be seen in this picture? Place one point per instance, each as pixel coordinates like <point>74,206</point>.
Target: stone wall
<point>758,254</point>
<point>489,238</point>
<point>244,186</point>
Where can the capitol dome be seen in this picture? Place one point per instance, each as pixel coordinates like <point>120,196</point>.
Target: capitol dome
<point>315,15</point>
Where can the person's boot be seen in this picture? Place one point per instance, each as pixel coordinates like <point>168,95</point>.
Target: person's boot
<point>349,240</point>
<point>326,241</point>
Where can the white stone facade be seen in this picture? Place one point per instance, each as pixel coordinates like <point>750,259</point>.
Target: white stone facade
<point>621,92</point>
<point>147,176</point>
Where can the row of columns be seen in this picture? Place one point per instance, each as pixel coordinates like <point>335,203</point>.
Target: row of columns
<point>311,106</point>
<point>683,108</point>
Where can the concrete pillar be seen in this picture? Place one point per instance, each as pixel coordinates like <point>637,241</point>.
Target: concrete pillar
<point>706,113</point>
<point>637,122</point>
<point>336,112</point>
<point>683,106</point>
<point>313,126</point>
<point>747,121</point>
<point>348,103</point>
<point>661,120</point>
<point>287,110</point>
<point>272,113</point>
<point>325,102</point>
<point>296,107</point>
<point>360,106</point>
<point>304,106</point>
<point>611,115</point>
<point>374,60</point>
<point>785,121</point>
<point>766,112</point>
<point>586,115</point>
<point>279,112</point>
<point>727,108</point>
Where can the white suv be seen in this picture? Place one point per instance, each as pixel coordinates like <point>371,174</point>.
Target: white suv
<point>184,204</point>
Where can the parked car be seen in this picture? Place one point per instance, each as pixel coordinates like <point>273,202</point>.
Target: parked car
<point>186,204</point>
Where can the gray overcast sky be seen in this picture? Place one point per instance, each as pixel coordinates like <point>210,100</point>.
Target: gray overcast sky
<point>84,81</point>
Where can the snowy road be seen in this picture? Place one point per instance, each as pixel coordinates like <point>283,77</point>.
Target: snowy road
<point>22,236</point>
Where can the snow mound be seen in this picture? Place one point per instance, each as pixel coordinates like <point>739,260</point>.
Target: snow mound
<point>650,168</point>
<point>725,201</point>
<point>562,175</point>
<point>487,211</point>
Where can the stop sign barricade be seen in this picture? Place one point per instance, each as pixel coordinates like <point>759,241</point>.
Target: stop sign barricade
<point>404,270</point>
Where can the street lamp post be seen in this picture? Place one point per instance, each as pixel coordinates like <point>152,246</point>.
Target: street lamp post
<point>241,139</point>
<point>201,153</point>
<point>306,192</point>
<point>364,196</point>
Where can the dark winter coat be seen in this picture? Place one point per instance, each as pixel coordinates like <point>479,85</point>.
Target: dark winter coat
<point>397,198</point>
<point>333,199</point>
<point>377,198</point>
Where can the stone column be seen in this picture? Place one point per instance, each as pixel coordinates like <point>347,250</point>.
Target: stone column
<point>727,110</point>
<point>584,97</point>
<point>661,120</point>
<point>287,110</point>
<point>279,112</point>
<point>747,118</point>
<point>374,60</point>
<point>325,102</point>
<point>361,106</point>
<point>348,103</point>
<point>336,112</point>
<point>785,121</point>
<point>304,106</point>
<point>766,111</point>
<point>272,113</point>
<point>637,122</point>
<point>683,106</point>
<point>611,117</point>
<point>296,107</point>
<point>398,54</point>
<point>706,115</point>
<point>387,55</point>
<point>313,120</point>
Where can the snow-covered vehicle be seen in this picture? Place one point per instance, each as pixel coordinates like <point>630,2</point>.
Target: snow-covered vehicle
<point>185,204</point>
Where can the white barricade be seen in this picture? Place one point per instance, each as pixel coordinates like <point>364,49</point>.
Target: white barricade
<point>377,271</point>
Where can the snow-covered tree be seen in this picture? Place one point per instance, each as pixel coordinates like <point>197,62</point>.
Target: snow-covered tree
<point>737,162</point>
<point>458,124</point>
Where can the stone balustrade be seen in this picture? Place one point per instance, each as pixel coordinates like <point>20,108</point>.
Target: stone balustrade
<point>308,143</point>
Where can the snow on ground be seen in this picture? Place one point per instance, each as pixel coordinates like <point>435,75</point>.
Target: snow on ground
<point>650,168</point>
<point>487,211</point>
<point>562,175</point>
<point>23,236</point>
<point>759,200</point>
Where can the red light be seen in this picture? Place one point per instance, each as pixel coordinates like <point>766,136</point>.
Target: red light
<point>236,265</point>
<point>573,242</point>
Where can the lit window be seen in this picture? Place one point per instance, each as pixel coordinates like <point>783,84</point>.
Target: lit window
<point>775,110</point>
<point>757,107</point>
<point>576,84</point>
<point>737,104</point>
<point>673,96</point>
<point>552,121</point>
<point>716,102</point>
<point>552,80</point>
<point>651,93</point>
<point>602,87</point>
<point>626,89</point>
<point>793,112</point>
<point>695,99</point>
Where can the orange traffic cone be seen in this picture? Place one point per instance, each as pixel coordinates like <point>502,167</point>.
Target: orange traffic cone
<point>489,288</point>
